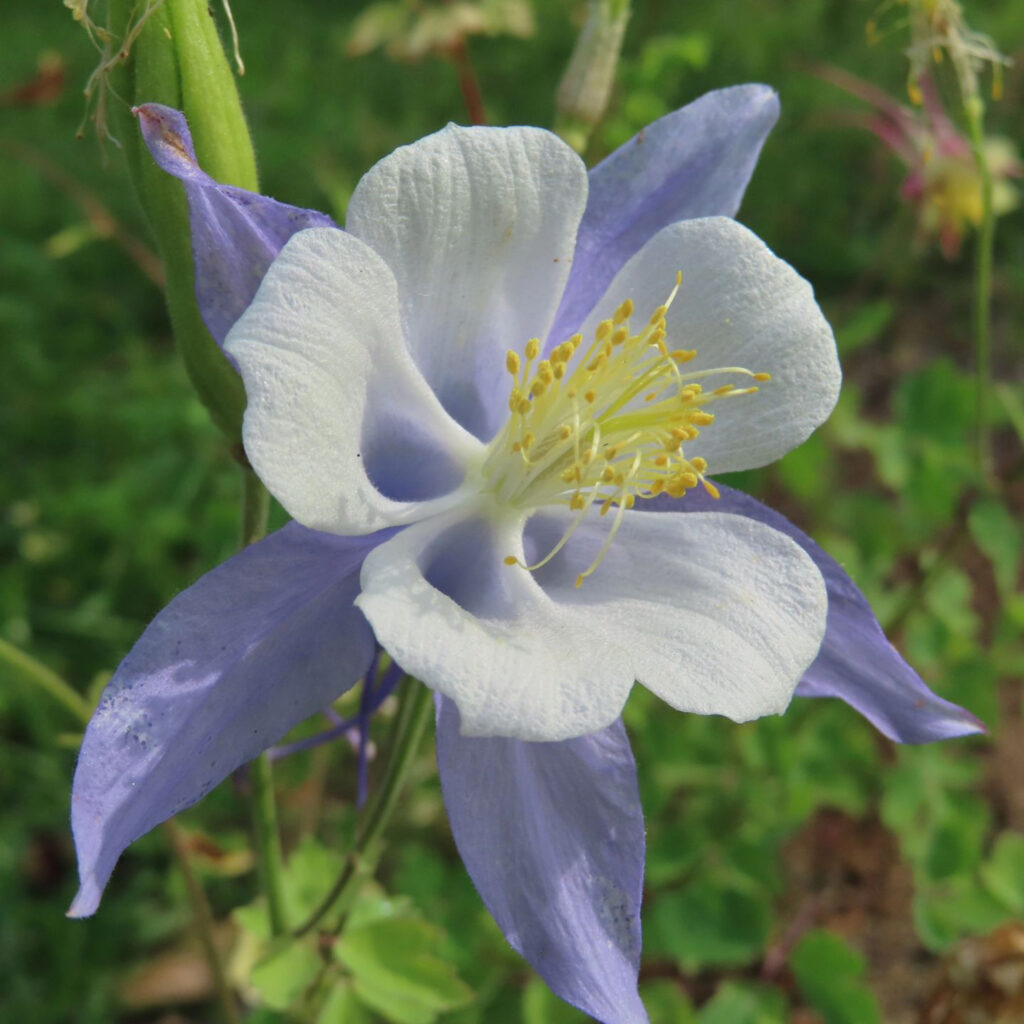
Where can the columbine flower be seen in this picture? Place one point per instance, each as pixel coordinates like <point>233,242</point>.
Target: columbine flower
<point>943,182</point>
<point>492,405</point>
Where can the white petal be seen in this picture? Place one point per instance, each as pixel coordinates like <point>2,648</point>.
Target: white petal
<point>718,614</point>
<point>337,411</point>
<point>449,611</point>
<point>739,305</point>
<point>479,227</point>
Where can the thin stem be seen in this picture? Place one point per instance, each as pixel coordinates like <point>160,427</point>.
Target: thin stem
<point>255,511</point>
<point>38,674</point>
<point>415,708</point>
<point>268,841</point>
<point>469,84</point>
<point>255,508</point>
<point>204,923</point>
<point>984,247</point>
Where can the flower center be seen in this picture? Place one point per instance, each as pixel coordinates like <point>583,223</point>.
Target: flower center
<point>604,426</point>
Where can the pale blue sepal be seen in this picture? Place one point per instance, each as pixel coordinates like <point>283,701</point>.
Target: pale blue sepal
<point>552,835</point>
<point>235,233</point>
<point>694,162</point>
<point>856,662</point>
<point>223,672</point>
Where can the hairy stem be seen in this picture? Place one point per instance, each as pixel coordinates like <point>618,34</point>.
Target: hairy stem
<point>24,666</point>
<point>204,923</point>
<point>268,842</point>
<point>984,247</point>
<point>415,708</point>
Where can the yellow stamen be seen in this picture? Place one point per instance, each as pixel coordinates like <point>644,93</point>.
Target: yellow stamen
<point>596,426</point>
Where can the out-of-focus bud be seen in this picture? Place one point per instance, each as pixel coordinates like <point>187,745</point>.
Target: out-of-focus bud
<point>943,180</point>
<point>171,53</point>
<point>587,84</point>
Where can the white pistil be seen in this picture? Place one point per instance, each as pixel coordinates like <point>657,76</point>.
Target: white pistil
<point>609,430</point>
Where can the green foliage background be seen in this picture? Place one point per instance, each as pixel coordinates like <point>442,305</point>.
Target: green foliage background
<point>780,853</point>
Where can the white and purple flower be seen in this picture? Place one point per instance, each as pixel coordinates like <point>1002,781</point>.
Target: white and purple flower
<point>491,406</point>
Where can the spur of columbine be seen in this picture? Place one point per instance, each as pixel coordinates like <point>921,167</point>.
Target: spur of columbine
<point>492,406</point>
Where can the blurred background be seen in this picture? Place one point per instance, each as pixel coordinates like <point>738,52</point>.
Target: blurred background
<point>800,869</point>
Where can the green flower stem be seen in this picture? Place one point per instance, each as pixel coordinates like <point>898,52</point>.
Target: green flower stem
<point>984,248</point>
<point>24,666</point>
<point>416,705</point>
<point>204,924</point>
<point>268,841</point>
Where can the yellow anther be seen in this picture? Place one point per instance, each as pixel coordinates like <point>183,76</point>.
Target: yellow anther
<point>711,489</point>
<point>594,429</point>
<point>679,278</point>
<point>762,376</point>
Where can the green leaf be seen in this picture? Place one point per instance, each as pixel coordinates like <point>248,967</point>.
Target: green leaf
<point>998,533</point>
<point>541,1006</point>
<point>1003,873</point>
<point>283,976</point>
<point>945,912</point>
<point>709,926</point>
<point>309,874</point>
<point>865,325</point>
<point>396,972</point>
<point>342,1006</point>
<point>734,1003</point>
<point>667,1003</point>
<point>829,974</point>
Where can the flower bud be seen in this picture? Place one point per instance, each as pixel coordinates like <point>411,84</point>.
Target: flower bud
<point>587,83</point>
<point>171,53</point>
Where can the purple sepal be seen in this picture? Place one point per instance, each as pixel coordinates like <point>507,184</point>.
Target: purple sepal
<point>224,671</point>
<point>552,835</point>
<point>694,162</point>
<point>856,662</point>
<point>235,233</point>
